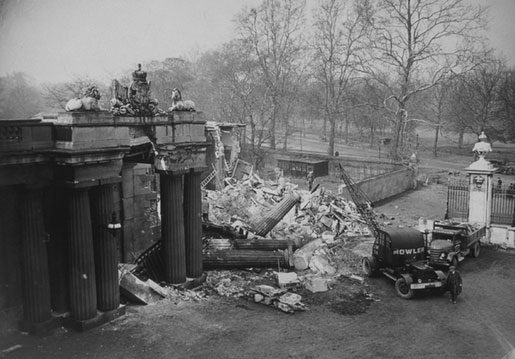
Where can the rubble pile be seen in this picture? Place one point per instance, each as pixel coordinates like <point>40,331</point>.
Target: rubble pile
<point>313,239</point>
<point>242,204</point>
<point>318,235</point>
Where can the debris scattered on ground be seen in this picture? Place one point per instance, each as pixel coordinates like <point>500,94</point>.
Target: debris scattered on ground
<point>285,301</point>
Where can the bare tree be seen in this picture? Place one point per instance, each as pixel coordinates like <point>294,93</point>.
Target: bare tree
<point>476,99</point>
<point>338,56</point>
<point>507,99</point>
<point>436,109</point>
<point>168,74</point>
<point>274,31</point>
<point>415,44</point>
<point>235,92</point>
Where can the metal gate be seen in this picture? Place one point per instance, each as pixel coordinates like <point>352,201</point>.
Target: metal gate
<point>458,199</point>
<point>503,205</point>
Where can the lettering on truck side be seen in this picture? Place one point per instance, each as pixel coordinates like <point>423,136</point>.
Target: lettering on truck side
<point>407,251</point>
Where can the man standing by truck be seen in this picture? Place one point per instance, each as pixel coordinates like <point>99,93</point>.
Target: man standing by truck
<point>454,283</point>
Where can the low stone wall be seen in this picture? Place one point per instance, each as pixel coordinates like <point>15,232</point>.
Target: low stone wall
<point>385,185</point>
<point>502,235</point>
<point>357,169</point>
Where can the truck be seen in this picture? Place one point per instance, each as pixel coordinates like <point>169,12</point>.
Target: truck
<point>452,241</point>
<point>400,255</point>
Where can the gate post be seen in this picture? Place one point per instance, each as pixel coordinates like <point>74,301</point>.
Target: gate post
<point>481,186</point>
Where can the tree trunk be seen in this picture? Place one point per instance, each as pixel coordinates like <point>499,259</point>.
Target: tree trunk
<point>372,135</point>
<point>460,139</point>
<point>324,132</point>
<point>253,135</point>
<point>332,123</point>
<point>286,130</point>
<point>394,151</point>
<point>347,121</point>
<point>272,122</point>
<point>435,146</point>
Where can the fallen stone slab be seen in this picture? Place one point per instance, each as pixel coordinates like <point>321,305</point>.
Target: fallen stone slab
<point>138,291</point>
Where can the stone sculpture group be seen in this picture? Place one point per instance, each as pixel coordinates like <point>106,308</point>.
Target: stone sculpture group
<point>133,100</point>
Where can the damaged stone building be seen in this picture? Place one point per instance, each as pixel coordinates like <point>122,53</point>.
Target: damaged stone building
<point>80,194</point>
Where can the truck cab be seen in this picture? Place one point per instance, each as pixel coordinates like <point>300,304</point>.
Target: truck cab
<point>400,254</point>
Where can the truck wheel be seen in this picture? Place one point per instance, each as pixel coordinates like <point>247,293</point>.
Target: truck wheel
<point>369,266</point>
<point>476,249</point>
<point>403,289</point>
<point>454,261</point>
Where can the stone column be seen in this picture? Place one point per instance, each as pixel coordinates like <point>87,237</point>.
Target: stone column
<point>105,252</point>
<point>264,225</point>
<point>82,287</point>
<point>58,254</point>
<point>193,223</point>
<point>36,284</point>
<point>172,228</point>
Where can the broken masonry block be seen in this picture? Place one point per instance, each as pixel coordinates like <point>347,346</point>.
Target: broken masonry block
<point>316,284</point>
<point>302,256</point>
<point>320,264</point>
<point>287,279</point>
<point>326,221</point>
<point>328,237</point>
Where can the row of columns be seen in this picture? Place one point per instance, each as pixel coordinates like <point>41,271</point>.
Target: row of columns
<point>83,252</point>
<point>81,246</point>
<point>181,225</point>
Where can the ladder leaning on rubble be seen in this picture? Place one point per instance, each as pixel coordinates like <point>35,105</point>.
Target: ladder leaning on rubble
<point>208,179</point>
<point>360,199</point>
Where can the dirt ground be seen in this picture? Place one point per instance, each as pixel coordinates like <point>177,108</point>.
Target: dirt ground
<point>341,323</point>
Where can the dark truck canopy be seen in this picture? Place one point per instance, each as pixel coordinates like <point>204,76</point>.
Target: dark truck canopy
<point>402,245</point>
<point>405,237</point>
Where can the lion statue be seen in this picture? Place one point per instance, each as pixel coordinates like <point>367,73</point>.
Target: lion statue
<point>88,102</point>
<point>178,104</point>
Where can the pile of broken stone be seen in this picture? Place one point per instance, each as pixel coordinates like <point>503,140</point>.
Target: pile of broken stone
<point>318,240</point>
<point>321,230</point>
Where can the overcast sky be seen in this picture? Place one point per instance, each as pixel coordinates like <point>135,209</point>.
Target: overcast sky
<point>53,40</point>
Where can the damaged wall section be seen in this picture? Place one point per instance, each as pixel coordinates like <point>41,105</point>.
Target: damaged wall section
<point>139,196</point>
